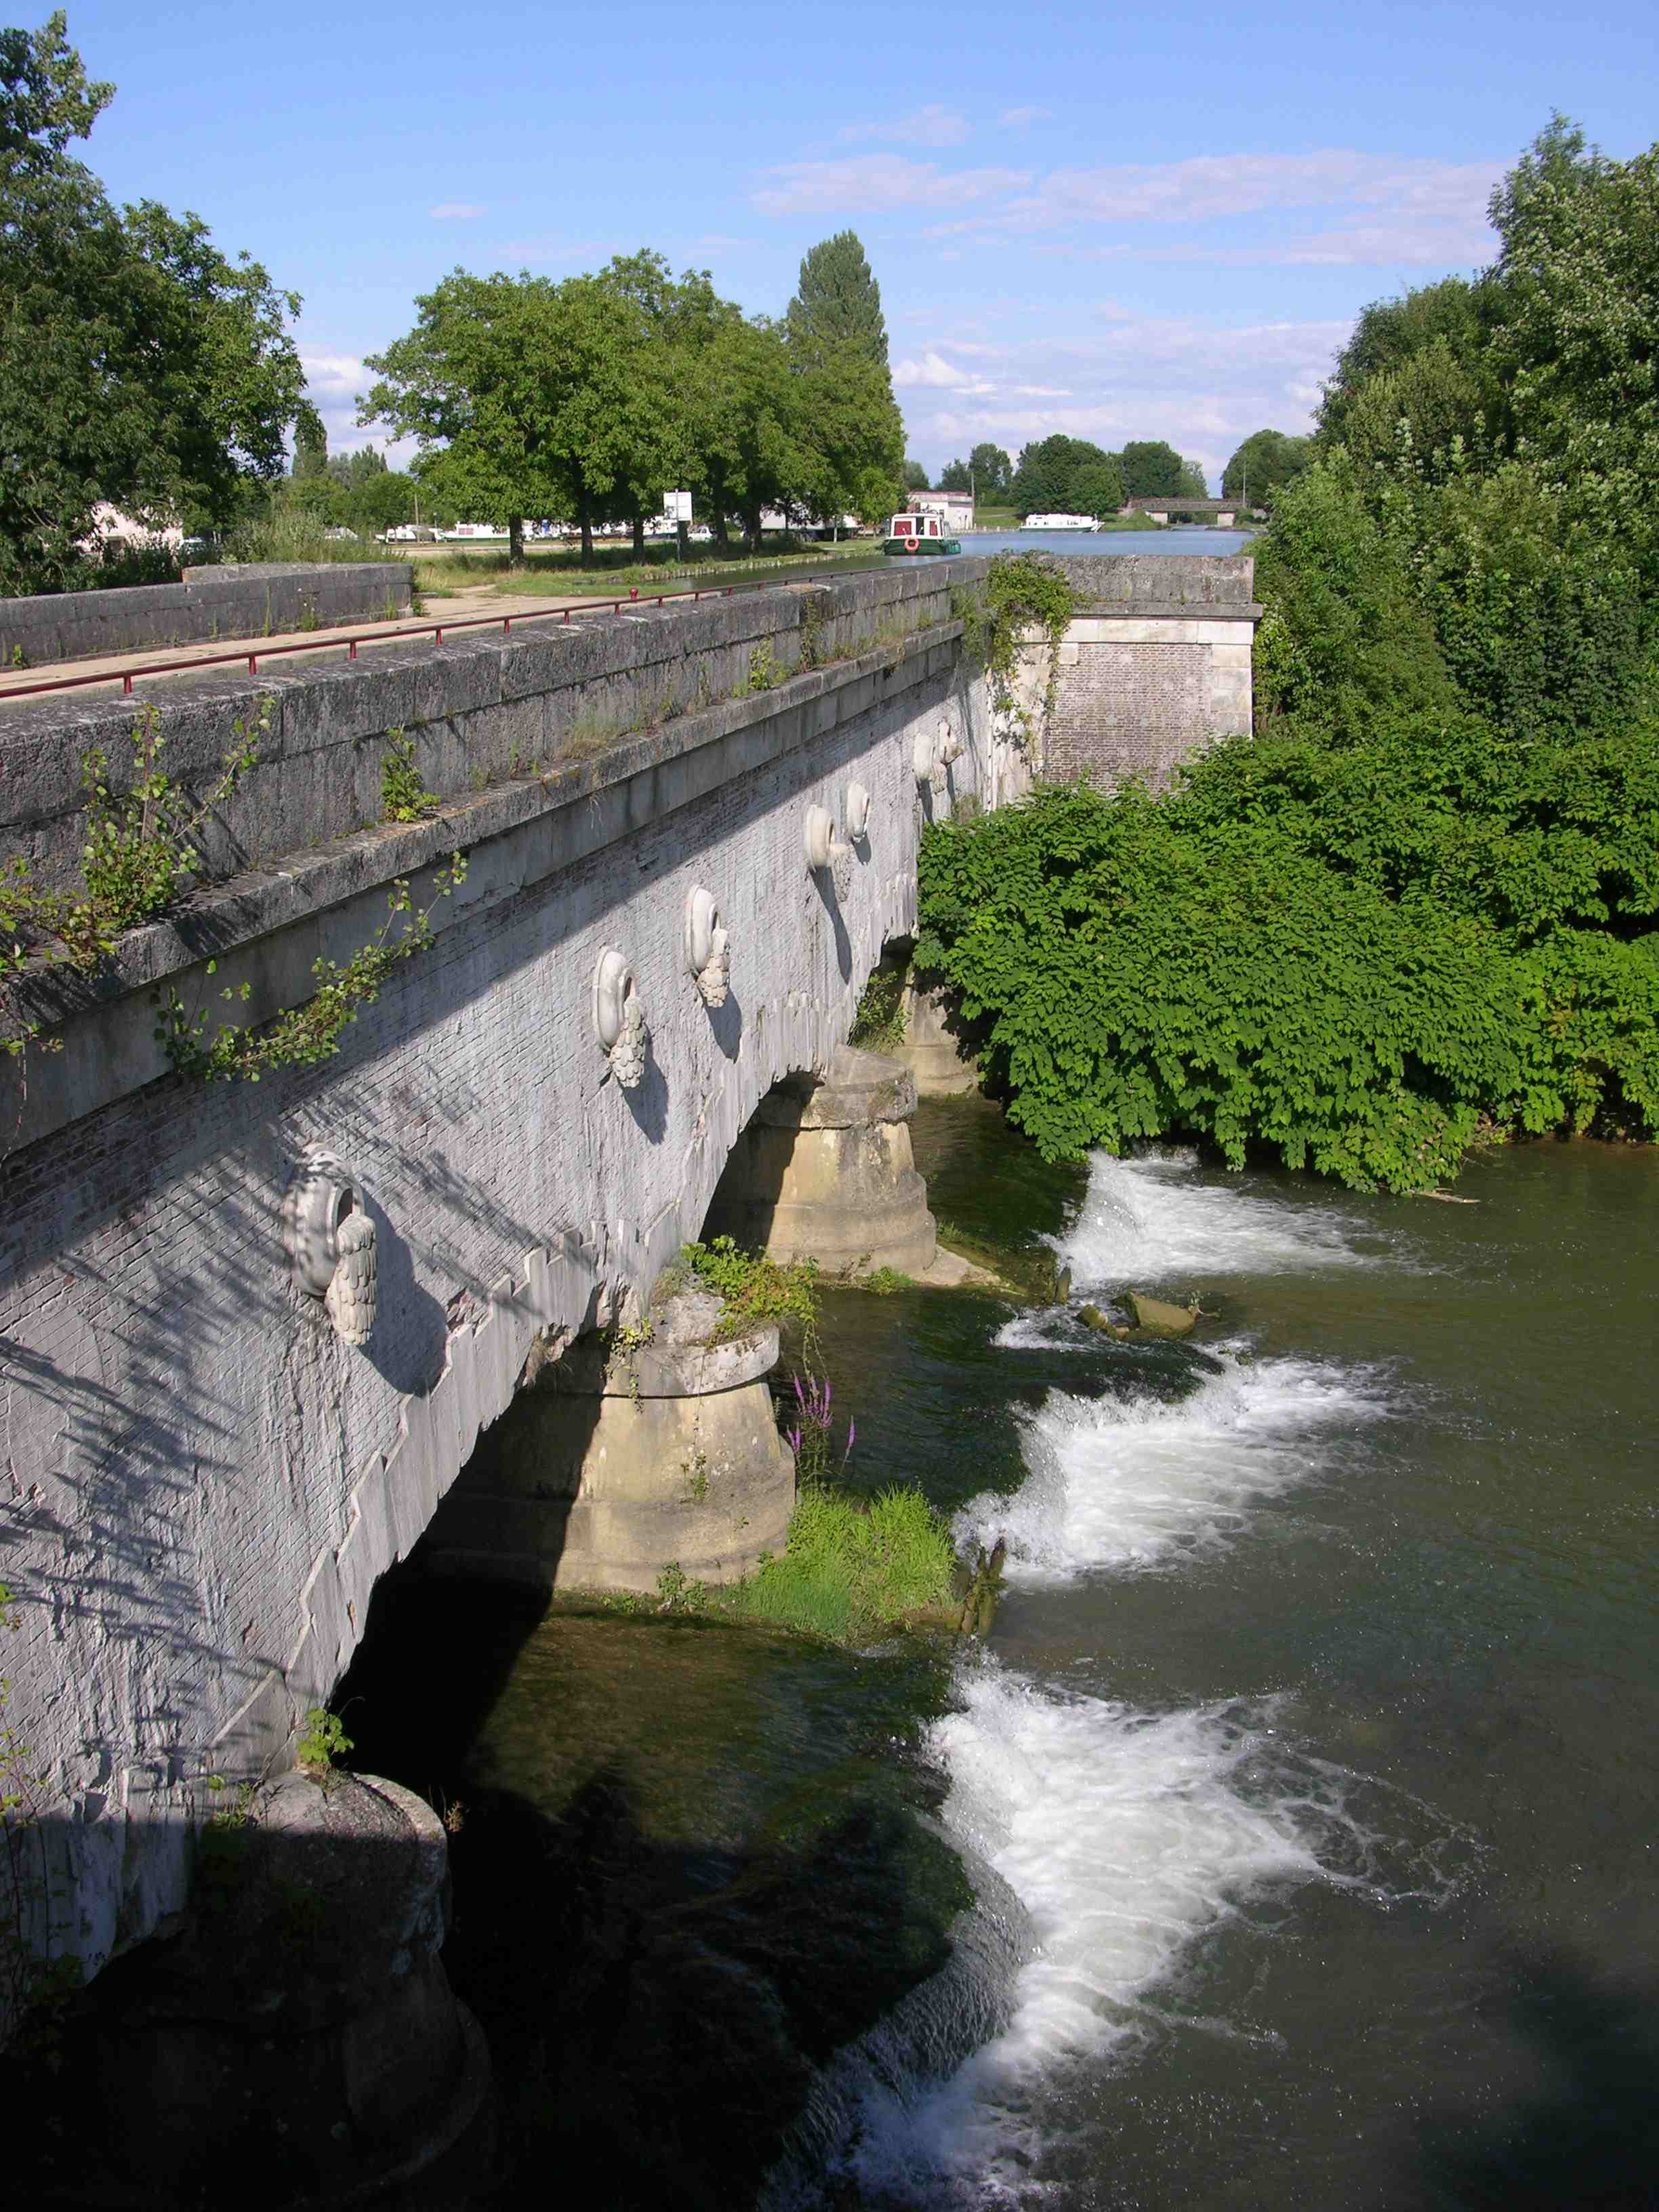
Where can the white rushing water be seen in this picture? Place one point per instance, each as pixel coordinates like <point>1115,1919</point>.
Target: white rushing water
<point>1125,1485</point>
<point>1149,1220</point>
<point>1125,1837</point>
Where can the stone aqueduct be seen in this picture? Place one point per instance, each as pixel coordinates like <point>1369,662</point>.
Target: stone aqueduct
<point>208,1464</point>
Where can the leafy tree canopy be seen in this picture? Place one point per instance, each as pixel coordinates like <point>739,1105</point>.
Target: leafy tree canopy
<point>915,478</point>
<point>1266,459</point>
<point>1097,489</point>
<point>188,353</point>
<point>992,472</point>
<point>837,303</point>
<point>1045,481</point>
<point>1149,466</point>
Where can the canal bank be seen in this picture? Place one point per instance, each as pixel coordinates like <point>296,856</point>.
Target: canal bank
<point>1303,1786</point>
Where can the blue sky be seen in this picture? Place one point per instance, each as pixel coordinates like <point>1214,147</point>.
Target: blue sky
<point>1148,222</point>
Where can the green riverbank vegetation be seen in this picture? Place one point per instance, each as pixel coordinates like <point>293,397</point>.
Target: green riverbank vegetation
<point>1418,908</point>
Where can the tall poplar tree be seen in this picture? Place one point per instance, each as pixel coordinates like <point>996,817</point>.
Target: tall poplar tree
<point>838,302</point>
<point>852,435</point>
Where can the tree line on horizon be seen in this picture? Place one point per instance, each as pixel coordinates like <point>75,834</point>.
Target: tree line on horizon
<point>1071,476</point>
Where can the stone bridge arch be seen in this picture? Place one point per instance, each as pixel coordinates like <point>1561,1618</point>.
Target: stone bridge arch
<point>210,1457</point>
<point>206,1476</point>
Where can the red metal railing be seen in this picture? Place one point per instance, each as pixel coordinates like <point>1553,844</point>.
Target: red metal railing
<point>434,630</point>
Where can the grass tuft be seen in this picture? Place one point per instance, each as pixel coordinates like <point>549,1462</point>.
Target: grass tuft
<point>851,1570</point>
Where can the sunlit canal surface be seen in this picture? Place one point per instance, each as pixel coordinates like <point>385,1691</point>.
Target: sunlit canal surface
<point>1306,1791</point>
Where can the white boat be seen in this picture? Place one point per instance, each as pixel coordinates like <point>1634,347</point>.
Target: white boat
<point>1060,522</point>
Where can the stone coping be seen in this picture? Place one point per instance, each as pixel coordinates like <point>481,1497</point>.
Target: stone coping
<point>1099,610</point>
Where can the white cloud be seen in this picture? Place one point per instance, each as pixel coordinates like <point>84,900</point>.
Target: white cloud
<point>1042,391</point>
<point>715,241</point>
<point>1371,210</point>
<point>930,369</point>
<point>1016,119</point>
<point>932,125</point>
<point>333,382</point>
<point>872,183</point>
<point>1208,186</point>
<point>455,211</point>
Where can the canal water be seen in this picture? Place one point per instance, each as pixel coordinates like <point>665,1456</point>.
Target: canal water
<point>1300,1810</point>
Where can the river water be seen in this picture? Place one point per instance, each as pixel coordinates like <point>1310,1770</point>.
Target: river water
<point>1306,1787</point>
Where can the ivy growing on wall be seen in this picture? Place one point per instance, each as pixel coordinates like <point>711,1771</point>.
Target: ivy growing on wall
<point>1020,593</point>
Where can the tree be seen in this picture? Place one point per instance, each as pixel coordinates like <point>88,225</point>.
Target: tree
<point>310,450</point>
<point>676,323</point>
<point>992,472</point>
<point>1149,467</point>
<point>1044,483</point>
<point>1097,489</point>
<point>353,470</point>
<point>138,365</point>
<point>1266,459</point>
<point>747,414</point>
<point>915,477</point>
<point>528,398</point>
<point>1194,483</point>
<point>1454,315</point>
<point>848,436</point>
<point>837,303</point>
<point>1575,307</point>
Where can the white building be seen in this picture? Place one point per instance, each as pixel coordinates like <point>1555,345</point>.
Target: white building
<point>954,509</point>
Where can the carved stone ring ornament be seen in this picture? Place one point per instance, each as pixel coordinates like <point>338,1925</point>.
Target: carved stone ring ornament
<point>619,1018</point>
<point>858,811</point>
<point>818,836</point>
<point>922,758</point>
<point>330,1241</point>
<point>708,949</point>
<point>951,747</point>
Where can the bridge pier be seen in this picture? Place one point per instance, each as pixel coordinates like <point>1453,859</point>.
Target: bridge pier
<point>299,2018</point>
<point>654,1445</point>
<point>824,1172</point>
<point>934,1050</point>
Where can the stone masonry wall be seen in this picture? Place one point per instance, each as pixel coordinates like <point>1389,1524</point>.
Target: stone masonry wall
<point>256,600</point>
<point>201,1481</point>
<point>1155,664</point>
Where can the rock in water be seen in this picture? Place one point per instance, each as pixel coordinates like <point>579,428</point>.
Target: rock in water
<point>1160,1318</point>
<point>1101,1323</point>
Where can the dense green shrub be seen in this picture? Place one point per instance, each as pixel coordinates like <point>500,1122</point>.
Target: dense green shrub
<point>1305,951</point>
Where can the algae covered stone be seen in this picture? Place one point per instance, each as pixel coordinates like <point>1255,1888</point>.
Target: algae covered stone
<point>1160,1318</point>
